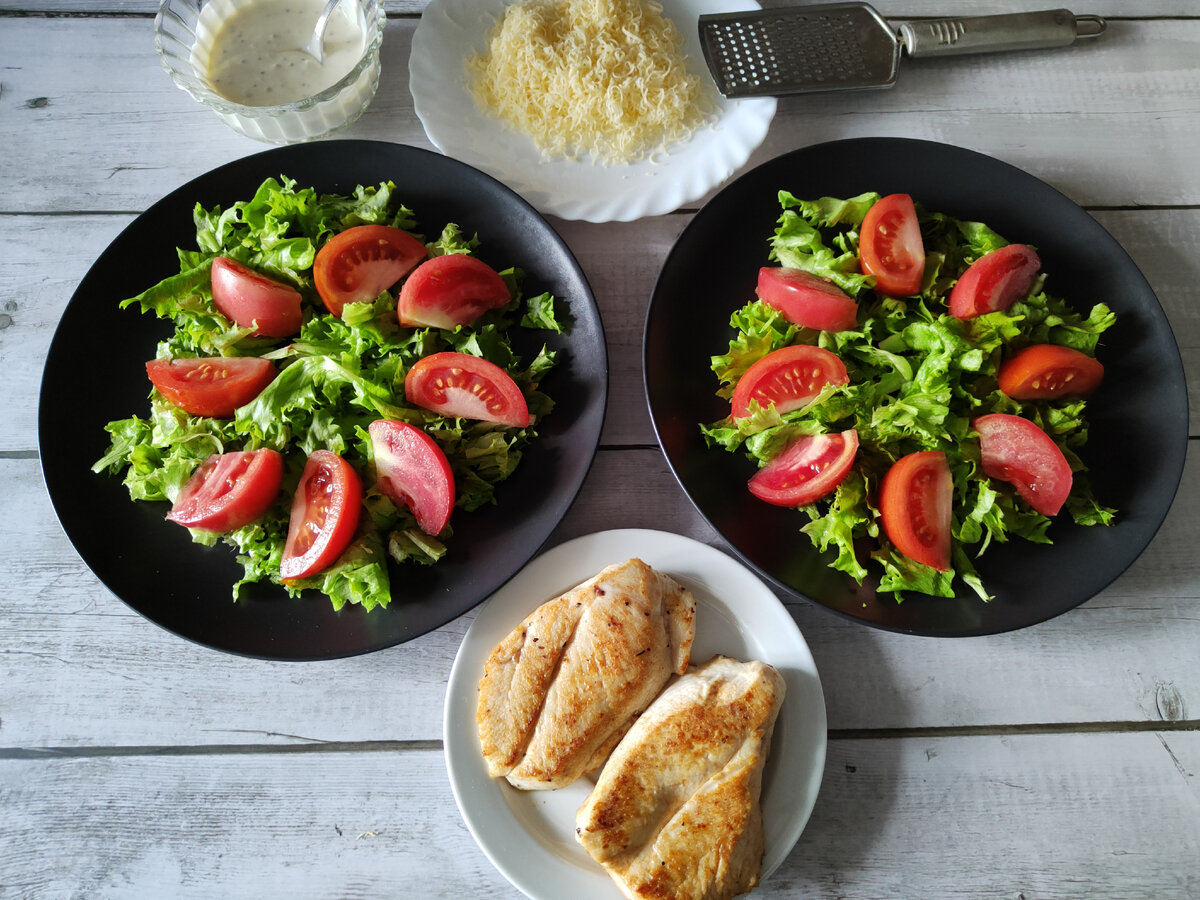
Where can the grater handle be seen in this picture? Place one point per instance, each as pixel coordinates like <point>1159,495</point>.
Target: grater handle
<point>987,34</point>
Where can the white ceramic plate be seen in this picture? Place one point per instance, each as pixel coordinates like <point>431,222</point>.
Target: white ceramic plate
<point>530,835</point>
<point>452,31</point>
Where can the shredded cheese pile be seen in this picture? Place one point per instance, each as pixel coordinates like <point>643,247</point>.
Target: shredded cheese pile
<point>601,77</point>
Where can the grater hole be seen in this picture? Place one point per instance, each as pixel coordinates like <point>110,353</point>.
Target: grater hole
<point>779,52</point>
<point>744,55</point>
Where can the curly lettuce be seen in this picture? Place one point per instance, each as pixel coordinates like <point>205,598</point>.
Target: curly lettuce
<point>334,378</point>
<point>917,377</point>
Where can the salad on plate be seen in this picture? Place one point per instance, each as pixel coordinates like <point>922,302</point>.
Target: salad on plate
<point>336,387</point>
<point>906,380</point>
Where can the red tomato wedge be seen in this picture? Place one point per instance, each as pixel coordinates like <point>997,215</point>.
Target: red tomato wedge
<point>362,262</point>
<point>995,281</point>
<point>809,468</point>
<point>890,246</point>
<point>325,511</point>
<point>210,386</point>
<point>448,291</point>
<point>788,378</point>
<point>1047,371</point>
<point>412,470</point>
<point>248,299</point>
<point>464,386</point>
<point>914,503</point>
<point>229,490</point>
<point>806,300</point>
<point>1017,451</point>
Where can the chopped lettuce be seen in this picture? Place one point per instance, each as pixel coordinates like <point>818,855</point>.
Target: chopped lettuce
<point>917,377</point>
<point>334,379</point>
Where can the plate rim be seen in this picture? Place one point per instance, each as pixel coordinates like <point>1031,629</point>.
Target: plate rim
<point>327,155</point>
<point>430,86</point>
<point>502,612</point>
<point>884,145</point>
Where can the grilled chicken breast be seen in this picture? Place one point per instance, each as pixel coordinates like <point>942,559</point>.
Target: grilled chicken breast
<point>675,812</point>
<point>558,693</point>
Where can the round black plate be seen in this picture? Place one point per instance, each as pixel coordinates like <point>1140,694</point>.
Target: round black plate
<point>711,271</point>
<point>153,565</point>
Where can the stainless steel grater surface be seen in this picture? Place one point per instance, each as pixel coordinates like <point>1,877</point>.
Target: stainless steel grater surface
<point>798,50</point>
<point>849,46</point>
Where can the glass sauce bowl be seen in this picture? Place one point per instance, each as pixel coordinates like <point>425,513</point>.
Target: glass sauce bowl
<point>184,31</point>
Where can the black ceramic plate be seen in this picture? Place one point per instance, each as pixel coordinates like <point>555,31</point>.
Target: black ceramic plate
<point>153,565</point>
<point>1139,416</point>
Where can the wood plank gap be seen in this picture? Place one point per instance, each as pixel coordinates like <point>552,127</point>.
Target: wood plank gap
<point>66,213</point>
<point>1032,729</point>
<point>70,14</point>
<point>124,14</point>
<point>425,746</point>
<point>1138,207</point>
<point>683,211</point>
<point>25,753</point>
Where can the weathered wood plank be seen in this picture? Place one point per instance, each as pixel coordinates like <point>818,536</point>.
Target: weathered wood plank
<point>1056,762</point>
<point>892,9</point>
<point>622,262</point>
<point>67,629</point>
<point>972,815</point>
<point>1128,99</point>
<point>1052,817</point>
<point>93,673</point>
<point>47,256</point>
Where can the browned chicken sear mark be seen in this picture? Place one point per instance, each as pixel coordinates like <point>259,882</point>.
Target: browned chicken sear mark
<point>675,813</point>
<point>547,718</point>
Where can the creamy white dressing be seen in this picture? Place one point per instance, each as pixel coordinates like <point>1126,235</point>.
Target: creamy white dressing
<point>257,58</point>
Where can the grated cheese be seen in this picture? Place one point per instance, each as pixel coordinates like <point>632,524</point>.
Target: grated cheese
<point>601,77</point>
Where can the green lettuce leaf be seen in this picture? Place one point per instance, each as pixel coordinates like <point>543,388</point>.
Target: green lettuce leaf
<point>917,378</point>
<point>333,379</point>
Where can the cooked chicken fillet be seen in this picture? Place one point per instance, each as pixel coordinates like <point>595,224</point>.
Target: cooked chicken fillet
<point>560,691</point>
<point>675,813</point>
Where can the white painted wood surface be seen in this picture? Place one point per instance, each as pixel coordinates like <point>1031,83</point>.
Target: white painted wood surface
<point>1056,762</point>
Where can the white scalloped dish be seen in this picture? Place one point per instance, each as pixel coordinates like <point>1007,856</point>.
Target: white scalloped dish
<point>530,835</point>
<point>452,31</point>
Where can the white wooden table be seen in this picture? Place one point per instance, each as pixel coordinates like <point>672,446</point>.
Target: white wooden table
<point>1058,761</point>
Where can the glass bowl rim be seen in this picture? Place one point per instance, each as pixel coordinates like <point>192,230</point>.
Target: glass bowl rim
<point>187,79</point>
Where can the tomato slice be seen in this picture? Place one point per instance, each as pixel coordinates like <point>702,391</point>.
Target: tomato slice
<point>210,386</point>
<point>464,386</point>
<point>229,490</point>
<point>1047,371</point>
<point>995,281</point>
<point>808,468</point>
<point>249,299</point>
<point>412,470</point>
<point>914,503</point>
<point>325,511</point>
<point>890,246</point>
<point>806,300</point>
<point>362,262</point>
<point>788,378</point>
<point>1017,451</point>
<point>448,291</point>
